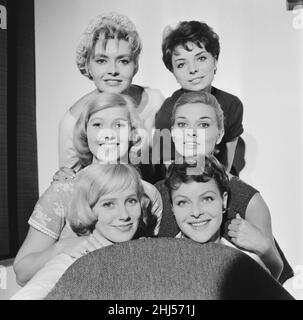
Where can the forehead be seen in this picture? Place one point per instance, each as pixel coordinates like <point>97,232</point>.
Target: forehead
<point>112,47</point>
<point>121,191</point>
<point>194,189</point>
<point>195,111</point>
<point>188,50</point>
<point>111,113</point>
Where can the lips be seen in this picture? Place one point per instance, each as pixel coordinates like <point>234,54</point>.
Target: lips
<point>199,224</point>
<point>109,144</point>
<point>113,82</point>
<point>196,80</point>
<point>124,227</point>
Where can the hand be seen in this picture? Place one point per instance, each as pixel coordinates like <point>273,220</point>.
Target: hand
<point>247,236</point>
<point>77,246</point>
<point>64,174</point>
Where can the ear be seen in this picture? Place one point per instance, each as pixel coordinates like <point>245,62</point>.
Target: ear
<point>220,136</point>
<point>215,67</point>
<point>225,198</point>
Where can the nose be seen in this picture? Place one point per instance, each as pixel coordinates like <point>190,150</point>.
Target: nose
<point>124,214</point>
<point>192,132</point>
<point>106,135</point>
<point>192,68</point>
<point>113,69</point>
<point>197,211</point>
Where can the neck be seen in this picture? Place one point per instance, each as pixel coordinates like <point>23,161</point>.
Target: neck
<point>102,241</point>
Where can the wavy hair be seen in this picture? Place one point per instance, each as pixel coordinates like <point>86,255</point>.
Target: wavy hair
<point>98,180</point>
<point>189,31</point>
<point>104,27</point>
<point>102,101</point>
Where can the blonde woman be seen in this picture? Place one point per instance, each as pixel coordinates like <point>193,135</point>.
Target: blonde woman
<point>108,206</point>
<point>105,132</point>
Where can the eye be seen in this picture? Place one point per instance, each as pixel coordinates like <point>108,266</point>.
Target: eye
<point>208,199</point>
<point>132,201</point>
<point>100,61</point>
<point>181,124</point>
<point>202,58</point>
<point>96,124</point>
<point>124,61</point>
<point>180,65</point>
<point>108,204</point>
<point>203,125</point>
<point>120,124</point>
<point>181,203</point>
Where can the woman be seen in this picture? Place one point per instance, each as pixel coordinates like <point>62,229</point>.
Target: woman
<point>191,51</point>
<point>103,133</point>
<point>199,202</point>
<point>108,206</point>
<point>108,55</point>
<point>197,127</point>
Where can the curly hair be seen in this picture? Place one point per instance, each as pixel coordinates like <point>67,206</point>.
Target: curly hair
<point>98,180</point>
<point>102,101</point>
<point>212,169</point>
<point>104,27</point>
<point>196,32</point>
<point>200,97</point>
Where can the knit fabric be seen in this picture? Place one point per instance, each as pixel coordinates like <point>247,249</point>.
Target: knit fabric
<point>166,269</point>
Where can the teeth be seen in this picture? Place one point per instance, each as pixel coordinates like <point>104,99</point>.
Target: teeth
<point>198,224</point>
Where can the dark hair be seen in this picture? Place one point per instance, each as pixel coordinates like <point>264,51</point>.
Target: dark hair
<point>189,31</point>
<point>211,169</point>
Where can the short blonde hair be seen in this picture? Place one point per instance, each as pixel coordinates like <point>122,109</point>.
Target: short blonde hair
<point>98,180</point>
<point>102,101</point>
<point>107,26</point>
<point>200,97</point>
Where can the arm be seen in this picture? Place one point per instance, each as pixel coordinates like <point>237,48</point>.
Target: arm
<point>255,234</point>
<point>231,149</point>
<point>35,251</point>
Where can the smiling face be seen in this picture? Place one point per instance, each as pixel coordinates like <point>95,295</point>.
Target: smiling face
<point>198,208</point>
<point>194,69</point>
<point>108,134</point>
<point>195,129</point>
<point>112,68</point>
<point>118,215</point>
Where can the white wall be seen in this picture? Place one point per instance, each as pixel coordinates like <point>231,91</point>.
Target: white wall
<point>261,62</point>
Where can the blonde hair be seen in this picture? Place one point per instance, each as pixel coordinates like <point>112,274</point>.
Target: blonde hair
<point>200,97</point>
<point>96,181</point>
<point>102,101</point>
<point>104,27</point>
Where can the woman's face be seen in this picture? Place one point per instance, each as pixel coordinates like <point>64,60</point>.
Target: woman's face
<point>112,68</point>
<point>195,69</point>
<point>198,208</point>
<point>109,134</point>
<point>195,130</point>
<point>118,215</point>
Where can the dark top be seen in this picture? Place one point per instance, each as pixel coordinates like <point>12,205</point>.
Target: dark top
<point>233,114</point>
<point>240,195</point>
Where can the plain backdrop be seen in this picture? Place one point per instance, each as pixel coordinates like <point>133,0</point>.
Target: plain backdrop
<point>261,62</point>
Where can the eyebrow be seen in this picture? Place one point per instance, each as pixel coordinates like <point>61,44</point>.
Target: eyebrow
<point>113,199</point>
<point>202,194</point>
<point>182,59</point>
<point>101,55</point>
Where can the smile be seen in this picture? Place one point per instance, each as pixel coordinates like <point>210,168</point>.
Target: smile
<point>113,82</point>
<point>196,80</point>
<point>109,145</point>
<point>124,227</point>
<point>198,224</point>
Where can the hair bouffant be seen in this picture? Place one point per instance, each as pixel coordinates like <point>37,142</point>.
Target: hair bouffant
<point>104,27</point>
<point>196,32</point>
